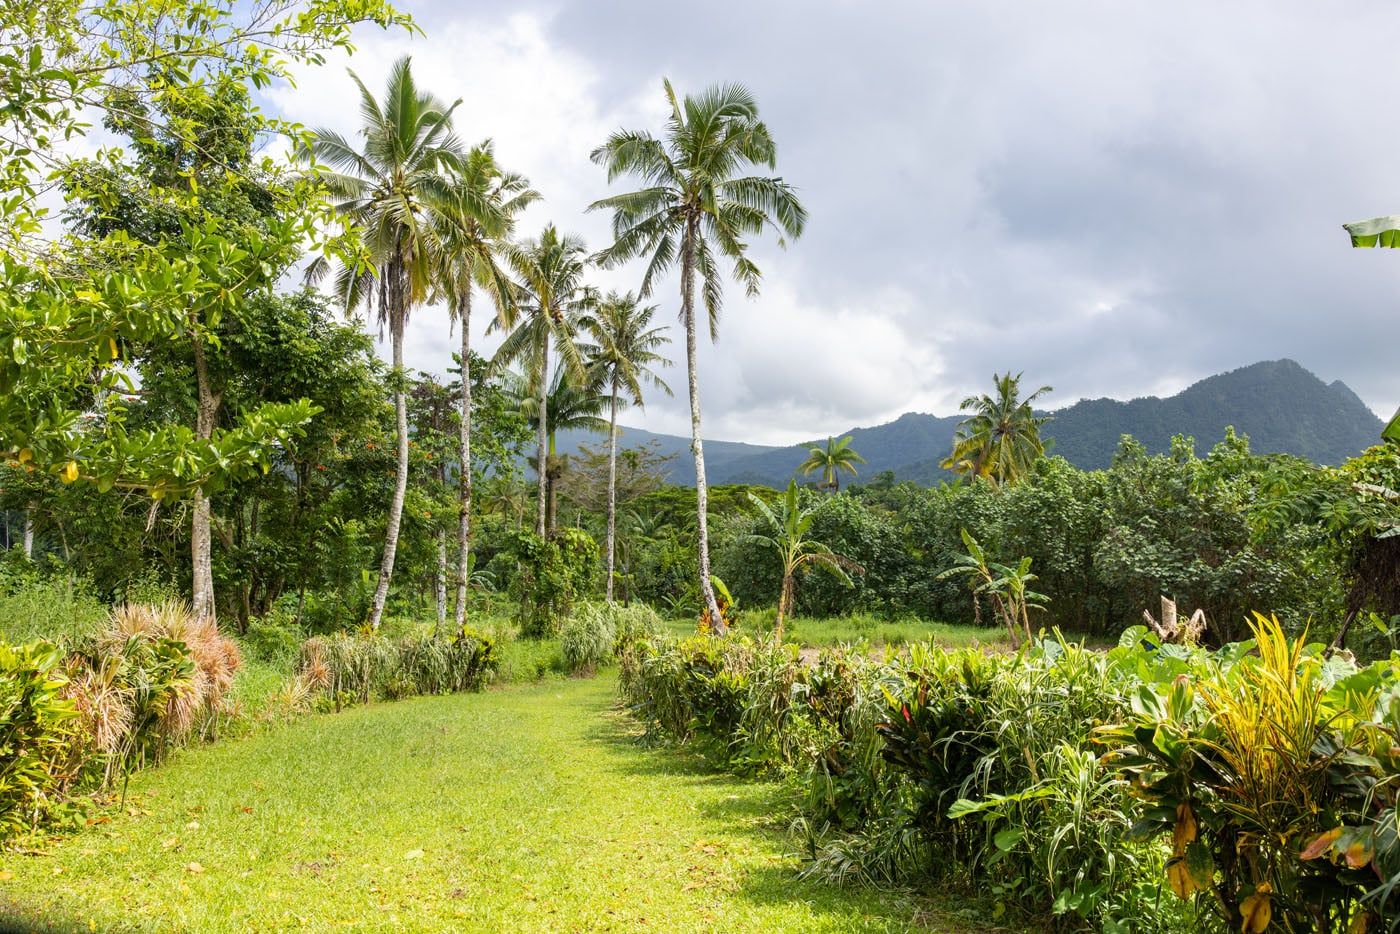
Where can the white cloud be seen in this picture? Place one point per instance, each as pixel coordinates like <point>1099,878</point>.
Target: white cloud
<point>1115,198</point>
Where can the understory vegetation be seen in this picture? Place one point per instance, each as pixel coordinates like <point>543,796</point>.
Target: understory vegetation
<point>1150,787</point>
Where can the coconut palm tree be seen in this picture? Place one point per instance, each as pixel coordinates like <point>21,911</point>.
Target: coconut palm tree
<point>1000,440</point>
<point>831,460</point>
<point>696,207</point>
<point>787,531</point>
<point>573,403</point>
<point>477,218</point>
<point>386,191</point>
<point>626,351</point>
<point>550,296</point>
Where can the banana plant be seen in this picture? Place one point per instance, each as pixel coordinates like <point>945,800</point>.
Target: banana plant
<point>787,530</point>
<point>1008,587</point>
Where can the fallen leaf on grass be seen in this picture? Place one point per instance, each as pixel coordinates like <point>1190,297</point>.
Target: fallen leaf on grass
<point>194,868</point>
<point>413,854</point>
<point>6,875</point>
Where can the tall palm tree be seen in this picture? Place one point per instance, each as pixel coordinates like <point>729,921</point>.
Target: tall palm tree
<point>387,191</point>
<point>550,287</point>
<point>787,531</point>
<point>573,403</point>
<point>1000,440</point>
<point>626,351</point>
<point>831,460</point>
<point>477,218</point>
<point>695,207</point>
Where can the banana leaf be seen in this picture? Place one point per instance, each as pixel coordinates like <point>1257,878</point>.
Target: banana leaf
<point>1378,231</point>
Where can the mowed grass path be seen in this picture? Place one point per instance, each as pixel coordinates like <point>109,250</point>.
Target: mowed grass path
<point>523,809</point>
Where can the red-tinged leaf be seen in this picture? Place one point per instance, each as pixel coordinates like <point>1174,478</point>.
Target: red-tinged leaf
<point>1321,844</point>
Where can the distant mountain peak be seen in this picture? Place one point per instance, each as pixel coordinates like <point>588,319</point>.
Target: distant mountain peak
<point>1279,404</point>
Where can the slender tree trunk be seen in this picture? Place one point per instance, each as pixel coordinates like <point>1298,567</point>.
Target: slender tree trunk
<point>464,503</point>
<point>702,528</point>
<point>440,580</point>
<point>391,531</point>
<point>612,486</point>
<point>541,466</point>
<point>784,608</point>
<point>552,474</point>
<point>28,532</point>
<point>201,537</point>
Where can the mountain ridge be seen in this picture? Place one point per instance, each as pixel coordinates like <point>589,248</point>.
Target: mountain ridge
<point>1279,404</point>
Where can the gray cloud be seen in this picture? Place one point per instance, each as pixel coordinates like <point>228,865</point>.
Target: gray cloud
<point>1115,197</point>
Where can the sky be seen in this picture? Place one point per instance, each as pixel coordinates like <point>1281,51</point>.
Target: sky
<point>1115,198</point>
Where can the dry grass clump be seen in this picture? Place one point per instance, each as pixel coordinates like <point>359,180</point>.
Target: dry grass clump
<point>148,679</point>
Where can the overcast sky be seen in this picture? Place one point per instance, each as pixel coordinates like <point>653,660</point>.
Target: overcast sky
<point>1116,198</point>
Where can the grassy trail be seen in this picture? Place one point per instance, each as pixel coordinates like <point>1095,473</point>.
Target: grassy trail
<point>525,809</point>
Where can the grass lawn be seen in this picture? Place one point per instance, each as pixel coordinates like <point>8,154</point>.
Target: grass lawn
<point>525,809</point>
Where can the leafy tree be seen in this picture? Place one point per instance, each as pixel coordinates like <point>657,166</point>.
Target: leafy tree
<point>830,460</point>
<point>290,347</point>
<point>478,216</point>
<point>551,296</point>
<point>788,532</point>
<point>1001,438</point>
<point>178,192</point>
<point>625,353</point>
<point>71,306</point>
<point>387,192</point>
<point>695,208</point>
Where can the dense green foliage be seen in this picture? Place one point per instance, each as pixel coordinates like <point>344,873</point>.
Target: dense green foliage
<point>1228,532</point>
<point>37,728</point>
<point>1050,777</point>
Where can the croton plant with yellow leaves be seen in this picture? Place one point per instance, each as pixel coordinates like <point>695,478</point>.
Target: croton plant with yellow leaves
<point>1272,768</point>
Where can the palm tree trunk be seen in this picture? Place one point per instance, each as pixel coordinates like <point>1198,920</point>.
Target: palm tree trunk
<point>440,581</point>
<point>464,501</point>
<point>201,519</point>
<point>28,532</point>
<point>612,485</point>
<point>391,531</point>
<point>707,592</point>
<point>541,465</point>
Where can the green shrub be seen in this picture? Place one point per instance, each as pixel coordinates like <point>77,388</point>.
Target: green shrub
<point>632,624</point>
<point>1273,772</point>
<point>38,736</point>
<point>552,575</point>
<point>54,606</point>
<point>359,667</point>
<point>274,638</point>
<point>957,765</point>
<point>587,639</point>
<point>597,632</point>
